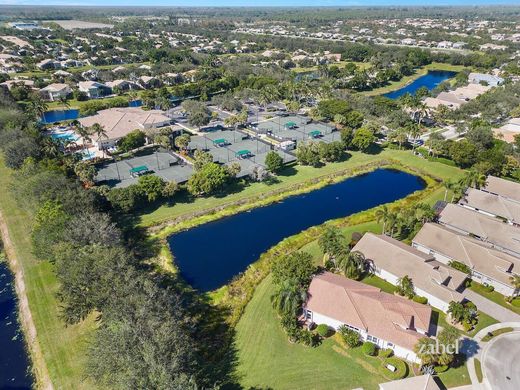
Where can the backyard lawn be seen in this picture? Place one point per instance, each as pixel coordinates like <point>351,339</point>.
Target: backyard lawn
<point>267,360</point>
<point>298,175</point>
<point>64,348</point>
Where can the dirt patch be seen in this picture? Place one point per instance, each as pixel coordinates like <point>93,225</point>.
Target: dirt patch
<point>43,381</point>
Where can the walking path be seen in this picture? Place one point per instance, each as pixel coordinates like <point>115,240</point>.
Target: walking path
<point>491,308</point>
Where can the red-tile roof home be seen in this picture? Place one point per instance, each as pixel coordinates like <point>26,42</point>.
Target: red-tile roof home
<point>385,316</point>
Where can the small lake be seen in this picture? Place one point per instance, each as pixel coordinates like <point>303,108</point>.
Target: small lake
<point>430,80</point>
<point>59,115</point>
<point>14,360</point>
<point>210,255</point>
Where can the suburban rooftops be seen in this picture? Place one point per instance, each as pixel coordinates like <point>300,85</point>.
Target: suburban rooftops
<point>388,317</point>
<point>399,259</point>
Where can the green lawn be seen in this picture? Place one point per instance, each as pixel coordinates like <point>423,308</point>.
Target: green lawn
<point>494,296</point>
<point>394,85</point>
<point>63,347</point>
<point>478,370</point>
<point>267,360</point>
<point>298,175</point>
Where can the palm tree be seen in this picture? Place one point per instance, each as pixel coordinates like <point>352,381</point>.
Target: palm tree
<point>37,106</point>
<point>448,186</point>
<point>474,178</point>
<point>85,134</point>
<point>288,298</point>
<point>515,281</point>
<point>331,242</point>
<point>405,287</point>
<point>64,102</point>
<point>426,350</point>
<point>352,264</point>
<point>51,147</point>
<point>100,132</point>
<point>382,216</point>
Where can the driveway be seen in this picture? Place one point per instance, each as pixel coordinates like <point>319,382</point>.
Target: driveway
<point>500,362</point>
<point>496,311</point>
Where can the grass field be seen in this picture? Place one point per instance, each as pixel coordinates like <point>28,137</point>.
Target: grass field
<point>64,348</point>
<point>267,360</point>
<point>298,175</point>
<point>394,85</point>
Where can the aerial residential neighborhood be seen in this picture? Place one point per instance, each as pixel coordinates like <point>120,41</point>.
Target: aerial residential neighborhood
<point>260,196</point>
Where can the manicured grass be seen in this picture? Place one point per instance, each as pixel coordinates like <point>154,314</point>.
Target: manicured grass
<point>494,296</point>
<point>496,333</point>
<point>267,360</point>
<point>478,370</point>
<point>379,283</point>
<point>64,348</point>
<point>297,175</point>
<point>394,85</point>
<point>483,321</point>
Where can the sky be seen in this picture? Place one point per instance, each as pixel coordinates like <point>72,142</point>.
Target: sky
<point>270,3</point>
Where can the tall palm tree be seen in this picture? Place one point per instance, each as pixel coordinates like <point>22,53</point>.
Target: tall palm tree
<point>64,102</point>
<point>288,298</point>
<point>37,106</point>
<point>85,133</point>
<point>382,215</point>
<point>100,132</point>
<point>448,186</point>
<point>474,178</point>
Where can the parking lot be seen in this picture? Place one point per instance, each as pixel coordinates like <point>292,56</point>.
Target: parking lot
<point>163,164</point>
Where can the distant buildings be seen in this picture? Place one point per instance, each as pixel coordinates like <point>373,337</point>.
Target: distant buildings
<point>485,79</point>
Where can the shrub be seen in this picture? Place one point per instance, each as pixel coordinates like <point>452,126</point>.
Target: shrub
<point>369,348</point>
<point>323,330</point>
<point>439,369</point>
<point>516,302</point>
<point>421,300</point>
<point>400,366</point>
<point>386,353</point>
<point>489,288</point>
<point>349,336</point>
<point>467,326</point>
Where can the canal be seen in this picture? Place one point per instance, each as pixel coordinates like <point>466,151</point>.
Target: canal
<point>210,255</point>
<point>14,360</point>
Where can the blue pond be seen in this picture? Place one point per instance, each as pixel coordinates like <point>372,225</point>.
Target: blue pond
<point>210,255</point>
<point>59,115</point>
<point>430,80</point>
<point>14,361</point>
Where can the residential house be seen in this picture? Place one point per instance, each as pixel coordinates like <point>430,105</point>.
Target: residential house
<point>488,265</point>
<point>482,227</point>
<point>148,82</point>
<point>17,82</point>
<point>505,188</point>
<point>508,131</point>
<point>387,320</point>
<point>94,90</point>
<point>56,91</point>
<point>420,382</point>
<point>48,64</point>
<point>492,205</point>
<point>123,85</point>
<point>121,121</point>
<point>486,79</point>
<point>391,260</point>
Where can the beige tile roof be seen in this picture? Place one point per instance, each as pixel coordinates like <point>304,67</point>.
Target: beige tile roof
<point>385,316</point>
<point>400,259</point>
<point>489,229</point>
<point>118,122</point>
<point>506,188</point>
<point>422,382</point>
<point>477,255</point>
<point>493,204</point>
<point>56,87</point>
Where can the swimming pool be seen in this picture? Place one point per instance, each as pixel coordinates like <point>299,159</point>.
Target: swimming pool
<point>65,136</point>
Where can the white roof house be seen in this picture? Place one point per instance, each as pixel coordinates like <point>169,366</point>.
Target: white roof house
<point>489,79</point>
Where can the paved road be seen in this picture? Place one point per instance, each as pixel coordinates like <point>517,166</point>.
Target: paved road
<point>500,362</point>
<point>491,308</point>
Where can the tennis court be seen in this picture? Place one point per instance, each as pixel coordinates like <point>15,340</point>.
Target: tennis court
<point>125,172</point>
<point>298,128</point>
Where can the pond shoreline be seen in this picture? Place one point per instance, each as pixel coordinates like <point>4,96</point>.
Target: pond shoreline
<point>235,295</point>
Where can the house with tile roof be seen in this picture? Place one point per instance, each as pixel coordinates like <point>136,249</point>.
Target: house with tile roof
<point>391,260</point>
<point>387,320</point>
